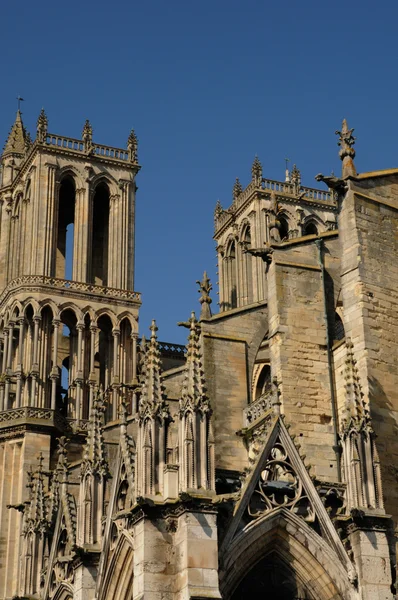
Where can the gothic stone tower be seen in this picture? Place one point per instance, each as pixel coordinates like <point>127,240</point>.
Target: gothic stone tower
<point>67,205</point>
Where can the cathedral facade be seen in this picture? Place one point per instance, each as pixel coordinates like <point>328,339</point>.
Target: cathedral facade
<point>262,458</point>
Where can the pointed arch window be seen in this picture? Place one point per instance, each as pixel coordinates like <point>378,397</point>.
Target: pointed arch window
<point>65,229</point>
<point>231,277</point>
<point>247,266</point>
<point>310,229</point>
<point>100,235</point>
<point>283,228</point>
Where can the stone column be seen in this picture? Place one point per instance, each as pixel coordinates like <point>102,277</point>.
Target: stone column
<point>81,235</point>
<point>19,369</point>
<point>116,378</point>
<point>369,542</point>
<point>54,371</point>
<point>3,368</point>
<point>92,379</point>
<point>79,375</point>
<point>134,404</point>
<point>50,207</point>
<point>35,366</point>
<point>10,341</point>
<point>9,364</point>
<point>112,240</point>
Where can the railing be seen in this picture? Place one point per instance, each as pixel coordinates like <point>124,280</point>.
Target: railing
<point>176,349</point>
<point>42,414</point>
<point>257,409</point>
<point>279,187</point>
<point>108,152</point>
<point>75,145</point>
<point>70,285</point>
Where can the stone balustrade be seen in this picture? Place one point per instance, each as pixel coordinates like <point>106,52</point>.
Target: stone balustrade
<point>74,145</point>
<point>257,409</point>
<point>44,416</point>
<point>79,286</point>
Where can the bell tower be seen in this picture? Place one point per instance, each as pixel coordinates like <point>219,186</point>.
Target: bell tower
<point>68,309</point>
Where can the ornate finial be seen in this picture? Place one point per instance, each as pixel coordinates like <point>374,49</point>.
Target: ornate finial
<point>237,189</point>
<point>42,125</point>
<point>87,136</point>
<point>295,179</point>
<point>205,288</point>
<point>257,171</point>
<point>347,152</point>
<point>154,329</point>
<point>273,221</point>
<point>287,173</point>
<point>132,146</point>
<point>218,211</point>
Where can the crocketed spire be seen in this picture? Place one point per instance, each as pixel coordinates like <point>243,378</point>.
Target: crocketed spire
<point>59,476</point>
<point>257,171</point>
<point>132,146</point>
<point>152,399</point>
<point>194,387</point>
<point>36,519</point>
<point>16,141</point>
<point>94,454</point>
<point>237,189</point>
<point>355,408</point>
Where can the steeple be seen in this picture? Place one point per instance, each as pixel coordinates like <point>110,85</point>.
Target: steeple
<point>347,152</point>
<point>16,140</point>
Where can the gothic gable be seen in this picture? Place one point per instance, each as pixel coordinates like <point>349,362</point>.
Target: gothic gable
<point>279,481</point>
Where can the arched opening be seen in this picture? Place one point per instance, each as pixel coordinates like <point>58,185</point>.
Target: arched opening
<point>339,333</point>
<point>65,229</point>
<point>126,352</point>
<point>310,229</point>
<point>104,357</point>
<point>45,358</point>
<point>272,578</point>
<point>28,355</point>
<point>283,228</point>
<point>231,295</point>
<point>247,266</point>
<point>282,554</point>
<point>263,384</point>
<point>99,251</point>
<point>68,358</point>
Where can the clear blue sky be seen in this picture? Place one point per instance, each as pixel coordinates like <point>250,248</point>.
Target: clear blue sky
<point>206,85</point>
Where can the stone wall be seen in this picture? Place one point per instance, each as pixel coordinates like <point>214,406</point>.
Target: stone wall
<point>231,342</point>
<point>17,456</point>
<point>368,224</point>
<point>299,360</point>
